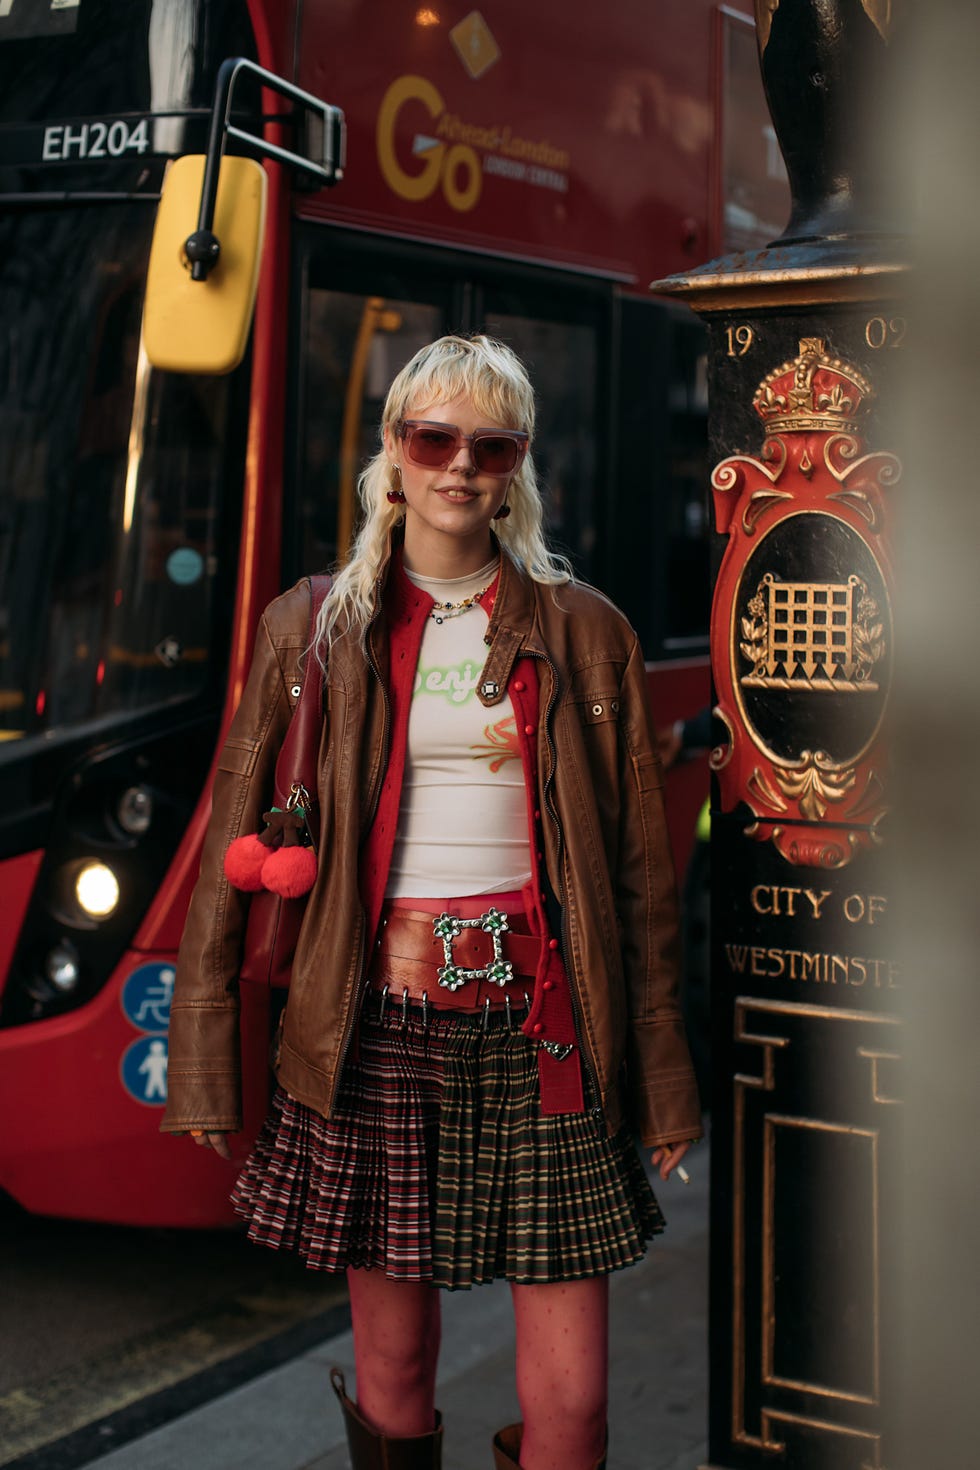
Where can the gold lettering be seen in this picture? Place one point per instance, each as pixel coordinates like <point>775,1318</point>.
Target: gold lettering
<point>462,180</point>
<point>737,955</point>
<point>755,898</point>
<point>882,332</point>
<point>740,339</point>
<point>815,900</point>
<point>811,967</point>
<point>876,905</point>
<point>854,908</point>
<point>421,184</point>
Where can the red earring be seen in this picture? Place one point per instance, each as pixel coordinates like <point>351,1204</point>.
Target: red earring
<point>502,513</point>
<point>397,497</point>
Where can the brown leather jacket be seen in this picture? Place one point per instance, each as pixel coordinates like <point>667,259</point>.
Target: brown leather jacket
<point>606,854</point>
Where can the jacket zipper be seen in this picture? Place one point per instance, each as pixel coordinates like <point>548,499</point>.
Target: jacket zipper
<point>590,1071</point>
<point>348,1036</point>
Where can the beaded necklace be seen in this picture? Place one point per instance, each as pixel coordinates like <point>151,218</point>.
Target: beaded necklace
<point>443,610</point>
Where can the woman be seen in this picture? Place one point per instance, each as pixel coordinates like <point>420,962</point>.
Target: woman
<point>483,998</point>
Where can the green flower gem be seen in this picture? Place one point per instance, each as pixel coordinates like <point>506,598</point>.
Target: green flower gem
<point>450,978</point>
<point>447,926</point>
<point>494,922</point>
<point>500,972</point>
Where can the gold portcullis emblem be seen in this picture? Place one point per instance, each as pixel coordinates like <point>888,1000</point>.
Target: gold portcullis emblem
<point>816,635</point>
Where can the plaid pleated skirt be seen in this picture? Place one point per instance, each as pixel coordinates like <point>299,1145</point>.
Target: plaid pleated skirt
<point>438,1165</point>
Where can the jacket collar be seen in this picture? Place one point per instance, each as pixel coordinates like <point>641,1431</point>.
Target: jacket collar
<point>513,627</point>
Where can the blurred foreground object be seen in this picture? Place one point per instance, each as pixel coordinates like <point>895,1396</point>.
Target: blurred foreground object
<point>935,722</point>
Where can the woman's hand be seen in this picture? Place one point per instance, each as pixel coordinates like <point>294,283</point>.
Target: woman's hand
<point>217,1141</point>
<point>667,1157</point>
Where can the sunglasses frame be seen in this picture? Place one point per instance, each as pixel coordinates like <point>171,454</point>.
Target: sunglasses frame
<point>405,429</point>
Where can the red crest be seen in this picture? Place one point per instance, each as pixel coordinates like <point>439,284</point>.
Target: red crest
<point>801,635</point>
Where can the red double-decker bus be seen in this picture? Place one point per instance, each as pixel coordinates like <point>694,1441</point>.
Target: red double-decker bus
<point>526,171</point>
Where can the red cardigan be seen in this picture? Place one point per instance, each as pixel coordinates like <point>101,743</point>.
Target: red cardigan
<point>550,1018</point>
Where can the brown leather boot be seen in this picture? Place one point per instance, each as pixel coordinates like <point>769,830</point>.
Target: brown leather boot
<point>370,1450</point>
<point>507,1449</point>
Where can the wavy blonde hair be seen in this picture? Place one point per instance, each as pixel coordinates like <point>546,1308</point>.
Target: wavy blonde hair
<point>494,379</point>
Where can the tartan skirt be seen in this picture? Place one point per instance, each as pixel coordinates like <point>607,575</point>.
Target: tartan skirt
<point>438,1165</point>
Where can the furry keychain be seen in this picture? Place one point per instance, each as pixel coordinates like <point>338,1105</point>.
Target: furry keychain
<point>280,858</point>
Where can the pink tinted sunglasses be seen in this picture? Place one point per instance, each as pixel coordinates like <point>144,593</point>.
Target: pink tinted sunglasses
<point>435,446</point>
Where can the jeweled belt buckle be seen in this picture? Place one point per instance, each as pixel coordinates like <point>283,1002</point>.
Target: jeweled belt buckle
<point>448,927</point>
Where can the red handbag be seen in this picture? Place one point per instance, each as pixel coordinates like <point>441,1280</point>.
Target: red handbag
<point>278,867</point>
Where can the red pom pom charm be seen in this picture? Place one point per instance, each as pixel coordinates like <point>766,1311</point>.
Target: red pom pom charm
<point>244,860</point>
<point>290,871</point>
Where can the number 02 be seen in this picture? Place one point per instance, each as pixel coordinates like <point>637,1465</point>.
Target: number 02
<point>881,332</point>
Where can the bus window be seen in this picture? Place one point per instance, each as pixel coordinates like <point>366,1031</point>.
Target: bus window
<point>658,559</point>
<point>561,357</point>
<point>115,476</point>
<point>352,347</point>
<point>685,521</point>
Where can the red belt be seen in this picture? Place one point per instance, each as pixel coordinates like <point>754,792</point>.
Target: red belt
<point>409,957</point>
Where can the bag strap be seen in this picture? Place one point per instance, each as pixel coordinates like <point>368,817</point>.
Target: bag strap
<point>297,758</point>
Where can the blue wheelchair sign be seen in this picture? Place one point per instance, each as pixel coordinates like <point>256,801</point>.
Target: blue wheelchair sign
<point>147,994</point>
<point>144,1070</point>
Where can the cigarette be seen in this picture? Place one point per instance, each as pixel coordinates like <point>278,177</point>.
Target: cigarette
<point>679,1169</point>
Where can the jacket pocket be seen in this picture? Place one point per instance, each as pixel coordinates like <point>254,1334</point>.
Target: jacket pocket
<point>238,756</point>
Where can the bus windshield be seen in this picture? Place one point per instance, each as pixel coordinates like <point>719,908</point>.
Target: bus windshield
<point>112,477</point>
<point>110,480</point>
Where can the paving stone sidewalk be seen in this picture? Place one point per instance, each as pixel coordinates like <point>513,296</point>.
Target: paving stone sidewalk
<point>287,1419</point>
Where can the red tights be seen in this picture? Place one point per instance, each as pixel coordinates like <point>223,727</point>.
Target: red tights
<point>562,1363</point>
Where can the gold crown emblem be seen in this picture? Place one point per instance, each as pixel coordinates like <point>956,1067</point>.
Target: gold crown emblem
<point>814,392</point>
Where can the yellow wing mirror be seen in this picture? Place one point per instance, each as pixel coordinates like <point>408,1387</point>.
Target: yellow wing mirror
<point>202,279</point>
<point>194,326</point>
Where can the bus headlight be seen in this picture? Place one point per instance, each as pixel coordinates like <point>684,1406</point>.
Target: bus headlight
<point>135,811</point>
<point>61,966</point>
<point>96,890</point>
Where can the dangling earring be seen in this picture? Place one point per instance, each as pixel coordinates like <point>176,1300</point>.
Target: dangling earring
<point>502,513</point>
<point>397,497</point>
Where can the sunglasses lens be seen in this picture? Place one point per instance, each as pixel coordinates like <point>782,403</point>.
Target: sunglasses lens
<point>434,447</point>
<point>494,456</point>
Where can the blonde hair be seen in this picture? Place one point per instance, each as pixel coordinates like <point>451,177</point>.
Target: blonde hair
<point>494,378</point>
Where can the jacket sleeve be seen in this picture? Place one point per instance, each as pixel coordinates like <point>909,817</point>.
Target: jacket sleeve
<point>660,1077</point>
<point>204,1069</point>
